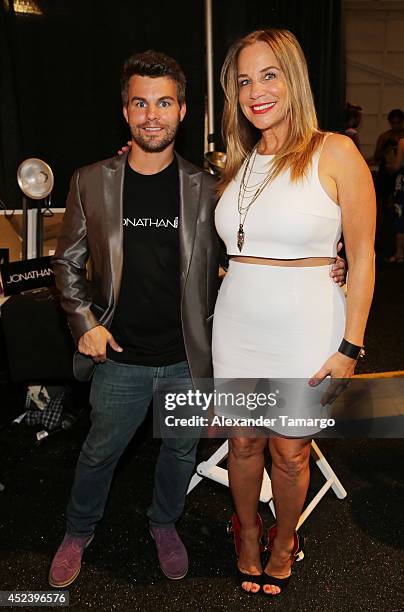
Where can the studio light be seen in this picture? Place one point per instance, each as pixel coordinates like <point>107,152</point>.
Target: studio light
<point>216,161</point>
<point>35,179</point>
<point>23,7</point>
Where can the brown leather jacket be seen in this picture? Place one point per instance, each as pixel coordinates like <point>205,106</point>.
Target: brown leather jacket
<point>92,230</point>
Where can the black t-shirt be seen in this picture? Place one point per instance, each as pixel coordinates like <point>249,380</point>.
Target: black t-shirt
<point>147,318</point>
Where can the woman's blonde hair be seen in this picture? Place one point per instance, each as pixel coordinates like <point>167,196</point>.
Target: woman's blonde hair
<point>239,134</point>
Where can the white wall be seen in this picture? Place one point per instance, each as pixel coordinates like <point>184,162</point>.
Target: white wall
<point>374,38</point>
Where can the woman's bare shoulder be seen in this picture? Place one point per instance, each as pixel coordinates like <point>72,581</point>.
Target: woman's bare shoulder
<point>339,145</point>
<point>340,157</point>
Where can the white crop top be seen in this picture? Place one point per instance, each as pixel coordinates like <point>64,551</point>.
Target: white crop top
<point>287,220</point>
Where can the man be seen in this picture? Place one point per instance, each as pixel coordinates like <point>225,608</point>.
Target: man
<point>385,184</point>
<point>387,141</point>
<point>146,221</point>
<point>147,311</point>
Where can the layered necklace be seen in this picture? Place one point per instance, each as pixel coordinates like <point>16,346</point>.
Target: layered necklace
<point>248,193</point>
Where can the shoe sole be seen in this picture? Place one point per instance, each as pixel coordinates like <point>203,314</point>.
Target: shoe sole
<point>168,575</point>
<point>173,577</point>
<point>58,585</point>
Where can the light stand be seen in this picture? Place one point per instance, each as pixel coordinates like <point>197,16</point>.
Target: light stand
<point>216,160</point>
<point>36,181</point>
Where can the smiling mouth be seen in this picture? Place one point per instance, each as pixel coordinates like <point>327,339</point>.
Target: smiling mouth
<point>152,129</point>
<point>259,109</point>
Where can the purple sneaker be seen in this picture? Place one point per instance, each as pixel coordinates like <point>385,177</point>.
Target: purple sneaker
<point>172,554</point>
<point>66,563</point>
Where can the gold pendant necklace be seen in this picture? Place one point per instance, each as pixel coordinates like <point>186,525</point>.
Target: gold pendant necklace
<point>245,192</point>
<point>240,237</point>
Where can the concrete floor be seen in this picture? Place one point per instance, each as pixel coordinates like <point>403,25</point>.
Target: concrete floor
<point>354,553</point>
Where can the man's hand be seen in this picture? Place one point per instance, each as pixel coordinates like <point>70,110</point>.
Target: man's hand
<point>338,270</point>
<point>125,148</point>
<point>94,343</point>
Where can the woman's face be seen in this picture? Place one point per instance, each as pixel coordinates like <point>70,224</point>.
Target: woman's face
<point>262,87</point>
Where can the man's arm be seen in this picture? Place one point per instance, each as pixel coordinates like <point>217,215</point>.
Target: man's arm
<point>379,152</point>
<point>223,257</point>
<point>396,164</point>
<point>69,264</point>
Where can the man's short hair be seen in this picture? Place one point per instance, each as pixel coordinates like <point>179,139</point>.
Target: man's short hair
<point>153,64</point>
<point>395,113</point>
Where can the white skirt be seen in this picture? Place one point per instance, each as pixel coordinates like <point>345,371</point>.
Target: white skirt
<point>275,322</point>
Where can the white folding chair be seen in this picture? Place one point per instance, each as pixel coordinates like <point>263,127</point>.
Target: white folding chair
<point>211,469</point>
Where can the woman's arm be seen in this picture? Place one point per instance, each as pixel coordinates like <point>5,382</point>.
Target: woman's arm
<point>356,197</point>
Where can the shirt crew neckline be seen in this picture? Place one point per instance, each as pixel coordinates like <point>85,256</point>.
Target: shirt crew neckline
<point>160,174</point>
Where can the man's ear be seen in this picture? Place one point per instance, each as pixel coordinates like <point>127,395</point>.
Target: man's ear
<point>125,113</point>
<point>183,110</point>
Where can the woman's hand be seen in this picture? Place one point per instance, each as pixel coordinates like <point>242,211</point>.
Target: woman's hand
<point>125,148</point>
<point>338,366</point>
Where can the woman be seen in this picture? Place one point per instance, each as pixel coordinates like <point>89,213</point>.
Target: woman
<point>398,166</point>
<point>286,191</point>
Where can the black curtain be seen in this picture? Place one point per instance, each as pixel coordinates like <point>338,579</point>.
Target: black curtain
<point>66,65</point>
<point>318,26</point>
<point>10,129</point>
<point>60,72</point>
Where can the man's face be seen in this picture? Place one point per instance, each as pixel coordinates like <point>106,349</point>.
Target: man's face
<point>396,124</point>
<point>153,112</point>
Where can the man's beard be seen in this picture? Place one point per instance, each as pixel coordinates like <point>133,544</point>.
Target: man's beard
<point>157,143</point>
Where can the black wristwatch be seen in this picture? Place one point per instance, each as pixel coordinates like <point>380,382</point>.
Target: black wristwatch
<point>351,350</point>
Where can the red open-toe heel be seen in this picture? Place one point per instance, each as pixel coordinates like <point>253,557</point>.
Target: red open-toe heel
<point>298,543</point>
<point>297,550</point>
<point>234,527</point>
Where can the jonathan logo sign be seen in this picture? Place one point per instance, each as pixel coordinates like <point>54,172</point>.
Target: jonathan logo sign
<point>21,276</point>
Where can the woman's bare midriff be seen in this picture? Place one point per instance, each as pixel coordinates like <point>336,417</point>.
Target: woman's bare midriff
<point>303,262</point>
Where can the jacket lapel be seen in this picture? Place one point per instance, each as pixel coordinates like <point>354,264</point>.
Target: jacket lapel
<point>114,174</point>
<point>190,191</point>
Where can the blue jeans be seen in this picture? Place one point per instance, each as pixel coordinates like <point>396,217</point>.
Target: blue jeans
<point>120,396</point>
